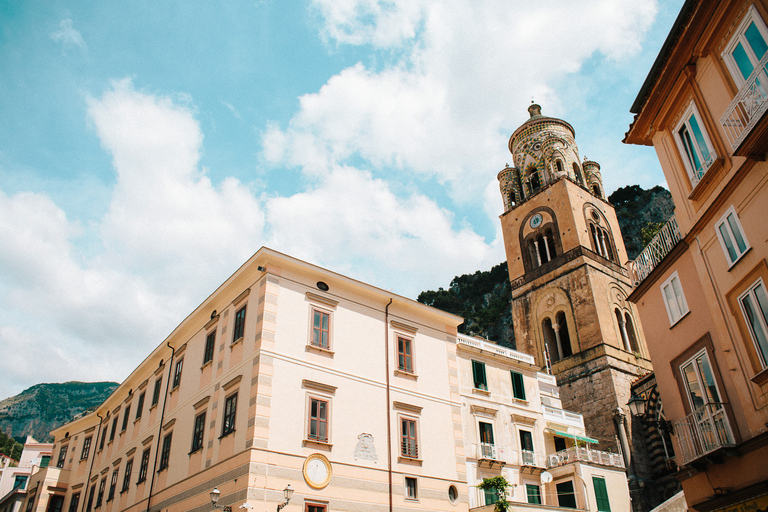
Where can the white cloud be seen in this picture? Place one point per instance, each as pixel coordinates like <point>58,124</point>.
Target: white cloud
<point>67,35</point>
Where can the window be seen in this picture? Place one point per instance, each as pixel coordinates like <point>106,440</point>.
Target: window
<point>127,475</point>
<point>731,236</point>
<point>103,439</point>
<point>453,494</point>
<point>491,496</point>
<point>230,409</point>
<point>112,486</point>
<point>20,482</point>
<point>90,499</point>
<point>478,375</point>
<point>45,461</point>
<point>114,428</point>
<point>56,503</point>
<point>318,420</point>
<point>199,432</point>
<point>140,406</point>
<point>405,354</point>
<point>100,496</point>
<point>165,453</point>
<point>210,342</point>
<point>144,466</point>
<point>601,241</point>
<point>526,448</point>
<point>601,494</point>
<point>518,385</point>
<point>566,497</point>
<point>754,307</point>
<point>62,456</point>
<point>31,500</point>
<point>674,300</point>
<point>487,447</point>
<point>411,490</point>
<point>747,47</point>
<point>177,373</point>
<point>74,502</point>
<point>533,493</point>
<point>409,445</point>
<point>156,392</point>
<point>239,324</point>
<point>694,145</point>
<point>700,381</point>
<point>316,507</point>
<point>320,329</point>
<point>559,443</point>
<point>86,448</point>
<point>126,416</point>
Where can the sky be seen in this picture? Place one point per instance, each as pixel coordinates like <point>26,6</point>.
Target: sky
<point>148,149</point>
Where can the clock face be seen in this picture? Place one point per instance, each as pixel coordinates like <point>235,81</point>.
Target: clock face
<point>536,220</point>
<point>317,471</point>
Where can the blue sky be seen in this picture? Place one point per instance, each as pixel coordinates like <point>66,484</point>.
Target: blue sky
<point>147,149</point>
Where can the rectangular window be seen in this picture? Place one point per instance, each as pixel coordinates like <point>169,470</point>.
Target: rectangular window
<point>411,489</point>
<point>198,433</point>
<point>100,496</point>
<point>526,448</point>
<point>747,47</point>
<point>601,494</point>
<point>127,475</point>
<point>674,299</point>
<point>20,482</point>
<point>156,392</point>
<point>45,460</point>
<point>566,497</point>
<point>114,428</point>
<point>112,486</point>
<point>126,417</point>
<point>316,507</point>
<point>239,324</point>
<point>210,342</point>
<point>518,385</point>
<point>165,453</point>
<point>230,410</point>
<point>491,496</point>
<point>74,502</point>
<point>533,492</point>
<point>91,495</point>
<point>487,446</point>
<point>700,381</point>
<point>731,236</point>
<point>321,330</point>
<point>55,503</point>
<point>144,466</point>
<point>405,354</point>
<point>86,448</point>
<point>754,307</point>
<point>318,420</point>
<point>409,444</point>
<point>140,406</point>
<point>31,500</point>
<point>103,439</point>
<point>177,373</point>
<point>694,145</point>
<point>62,456</point>
<point>478,375</point>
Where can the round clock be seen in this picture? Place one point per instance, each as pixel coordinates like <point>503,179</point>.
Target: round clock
<point>536,220</point>
<point>317,470</point>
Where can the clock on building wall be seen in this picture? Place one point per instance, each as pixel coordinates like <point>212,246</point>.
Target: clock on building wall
<point>536,221</point>
<point>317,470</point>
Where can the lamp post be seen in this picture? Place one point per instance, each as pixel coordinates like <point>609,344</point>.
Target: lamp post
<point>287,493</point>
<point>637,405</point>
<point>215,494</point>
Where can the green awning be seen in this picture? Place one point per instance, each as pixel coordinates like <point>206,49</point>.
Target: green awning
<point>573,436</point>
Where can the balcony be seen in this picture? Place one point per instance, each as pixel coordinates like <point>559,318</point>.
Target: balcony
<point>563,417</point>
<point>661,245</point>
<point>581,454</point>
<point>489,346</point>
<point>746,110</point>
<point>705,430</point>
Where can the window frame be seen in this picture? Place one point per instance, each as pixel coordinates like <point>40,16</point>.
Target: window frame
<point>144,467</point>
<point>707,160</point>
<point>156,392</point>
<point>140,406</point>
<point>198,433</point>
<point>62,456</point>
<point>74,502</point>
<point>703,384</point>
<point>86,450</point>
<point>313,310</point>
<point>683,308</point>
<point>165,452</point>
<point>100,494</point>
<point>407,355</point>
<point>178,369</point>
<point>238,329</point>
<point>412,452</point>
<point>739,36</point>
<point>407,488</point>
<point>475,380</point>
<point>529,496</point>
<point>112,485</point>
<point>603,496</point>
<point>210,345</point>
<point>229,415</point>
<point>127,476</point>
<point>762,353</point>
<point>126,418</point>
<point>572,494</point>
<point>310,418</point>
<point>730,213</point>
<point>115,422</point>
<point>518,387</point>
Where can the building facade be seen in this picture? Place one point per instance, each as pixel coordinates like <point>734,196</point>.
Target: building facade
<point>15,475</point>
<point>701,283</point>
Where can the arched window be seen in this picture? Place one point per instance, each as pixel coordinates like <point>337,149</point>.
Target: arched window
<point>550,340</point>
<point>565,338</point>
<point>542,248</point>
<point>511,199</point>
<point>631,333</point>
<point>535,183</point>
<point>596,191</point>
<point>577,173</point>
<point>550,239</point>
<point>601,241</point>
<point>622,330</point>
<point>559,166</point>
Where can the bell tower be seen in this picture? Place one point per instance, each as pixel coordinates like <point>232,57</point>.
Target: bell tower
<point>566,261</point>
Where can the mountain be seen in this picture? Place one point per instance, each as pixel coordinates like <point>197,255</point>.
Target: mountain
<point>38,410</point>
<point>483,298</point>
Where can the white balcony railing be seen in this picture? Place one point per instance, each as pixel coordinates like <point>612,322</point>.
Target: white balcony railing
<point>493,347</point>
<point>488,451</point>
<point>529,458</point>
<point>563,417</point>
<point>703,431</point>
<point>748,106</point>
<point>666,239</point>
<point>582,454</point>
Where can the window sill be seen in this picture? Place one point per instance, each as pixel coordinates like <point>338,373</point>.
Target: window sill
<point>731,265</point>
<point>316,442</point>
<point>761,378</point>
<point>483,392</point>
<point>320,350</point>
<point>238,340</point>
<point>137,420</point>
<point>521,401</point>
<point>195,451</point>
<point>679,319</point>
<point>140,482</point>
<point>152,407</point>
<point>706,179</point>
<point>162,469</point>
<point>206,365</point>
<point>409,460</point>
<point>174,389</point>
<point>223,435</point>
<point>123,491</point>
<point>406,374</point>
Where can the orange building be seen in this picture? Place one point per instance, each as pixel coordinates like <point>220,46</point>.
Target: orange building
<point>700,286</point>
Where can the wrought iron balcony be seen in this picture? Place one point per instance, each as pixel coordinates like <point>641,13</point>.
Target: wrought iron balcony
<point>748,106</point>
<point>704,431</point>
<point>581,454</point>
<point>661,245</point>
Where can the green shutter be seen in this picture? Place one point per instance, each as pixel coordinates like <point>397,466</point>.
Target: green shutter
<point>478,374</point>
<point>601,494</point>
<point>518,386</point>
<point>534,494</point>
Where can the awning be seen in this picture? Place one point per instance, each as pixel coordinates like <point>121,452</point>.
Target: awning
<point>573,436</point>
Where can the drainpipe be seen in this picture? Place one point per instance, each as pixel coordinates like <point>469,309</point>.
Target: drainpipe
<point>389,414</point>
<point>90,468</point>
<point>160,428</point>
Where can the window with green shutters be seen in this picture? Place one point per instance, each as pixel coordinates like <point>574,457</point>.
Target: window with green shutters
<point>534,494</point>
<point>518,386</point>
<point>601,494</point>
<point>566,497</point>
<point>478,375</point>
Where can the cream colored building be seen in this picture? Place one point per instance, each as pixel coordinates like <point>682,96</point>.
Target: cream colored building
<point>288,374</point>
<point>15,476</point>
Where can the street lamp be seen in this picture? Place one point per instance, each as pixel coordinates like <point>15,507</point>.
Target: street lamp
<point>287,493</point>
<point>637,405</point>
<point>215,494</point>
